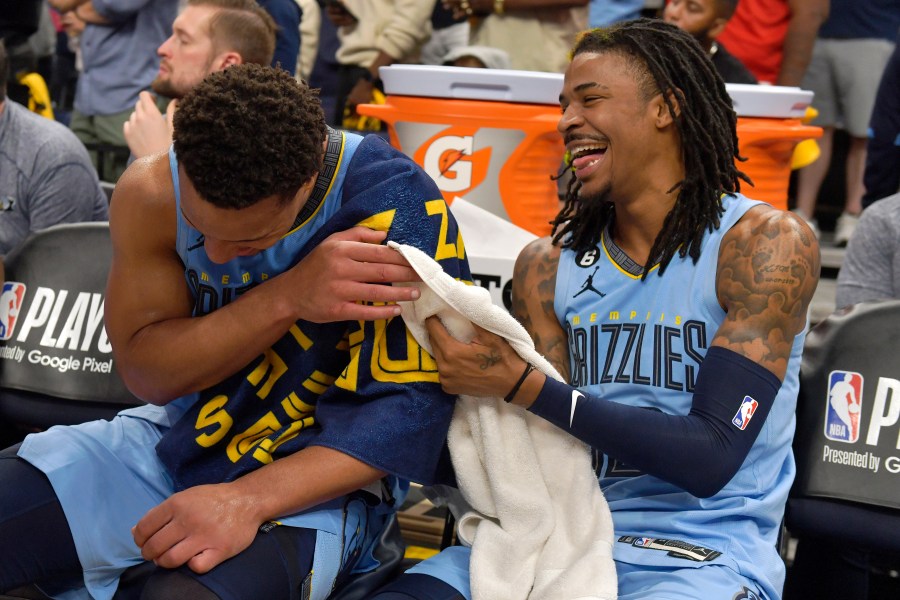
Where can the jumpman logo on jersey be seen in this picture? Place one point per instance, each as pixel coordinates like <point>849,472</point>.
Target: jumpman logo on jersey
<point>589,285</point>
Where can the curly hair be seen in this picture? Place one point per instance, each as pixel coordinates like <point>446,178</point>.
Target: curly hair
<point>247,133</point>
<point>666,59</point>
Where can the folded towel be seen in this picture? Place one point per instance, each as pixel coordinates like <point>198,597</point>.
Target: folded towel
<point>539,526</point>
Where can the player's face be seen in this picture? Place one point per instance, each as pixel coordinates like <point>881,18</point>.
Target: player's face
<point>606,123</point>
<point>188,55</point>
<point>697,17</point>
<point>230,233</point>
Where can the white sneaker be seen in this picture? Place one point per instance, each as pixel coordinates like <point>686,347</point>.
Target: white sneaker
<point>813,223</point>
<point>846,225</point>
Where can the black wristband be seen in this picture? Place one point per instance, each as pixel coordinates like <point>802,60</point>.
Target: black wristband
<point>512,394</point>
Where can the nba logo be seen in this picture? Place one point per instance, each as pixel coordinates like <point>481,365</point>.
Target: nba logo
<point>10,302</point>
<point>742,417</point>
<point>843,405</point>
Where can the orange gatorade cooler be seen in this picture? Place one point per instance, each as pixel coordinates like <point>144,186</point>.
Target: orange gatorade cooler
<point>488,135</point>
<point>770,126</point>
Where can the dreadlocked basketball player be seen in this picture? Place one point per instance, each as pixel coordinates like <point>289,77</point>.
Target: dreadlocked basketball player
<point>683,358</point>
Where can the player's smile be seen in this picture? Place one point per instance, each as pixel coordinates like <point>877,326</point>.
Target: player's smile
<point>586,156</point>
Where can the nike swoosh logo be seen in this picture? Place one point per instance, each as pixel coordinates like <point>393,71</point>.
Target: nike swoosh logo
<point>575,396</point>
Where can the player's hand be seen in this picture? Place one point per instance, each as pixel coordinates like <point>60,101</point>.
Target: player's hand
<point>347,268</point>
<point>201,527</point>
<point>147,131</point>
<point>486,366</point>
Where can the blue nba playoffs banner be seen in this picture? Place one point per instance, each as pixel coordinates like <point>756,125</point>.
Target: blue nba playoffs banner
<point>847,443</point>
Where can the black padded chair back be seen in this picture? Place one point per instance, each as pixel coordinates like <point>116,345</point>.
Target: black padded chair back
<point>56,363</point>
<point>847,443</point>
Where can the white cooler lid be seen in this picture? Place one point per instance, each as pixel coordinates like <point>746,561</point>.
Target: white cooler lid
<point>465,83</point>
<point>769,100</point>
<point>532,87</point>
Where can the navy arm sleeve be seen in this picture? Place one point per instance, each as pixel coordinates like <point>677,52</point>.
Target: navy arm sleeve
<point>699,452</point>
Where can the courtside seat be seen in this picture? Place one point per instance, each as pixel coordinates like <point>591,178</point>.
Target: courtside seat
<point>848,421</point>
<point>56,363</point>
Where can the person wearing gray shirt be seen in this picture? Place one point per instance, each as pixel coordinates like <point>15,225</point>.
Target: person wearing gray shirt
<point>118,50</point>
<point>871,267</point>
<point>46,176</point>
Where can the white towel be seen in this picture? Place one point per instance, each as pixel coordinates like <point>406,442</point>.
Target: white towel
<point>539,527</point>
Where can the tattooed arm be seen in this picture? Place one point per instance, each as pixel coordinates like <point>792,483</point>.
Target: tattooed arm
<point>488,366</point>
<point>768,271</point>
<point>533,293</point>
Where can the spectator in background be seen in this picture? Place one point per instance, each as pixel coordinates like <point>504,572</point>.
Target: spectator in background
<point>602,13</point>
<point>850,55</point>
<point>448,32</point>
<point>705,20</point>
<point>117,50</point>
<point>32,55</point>
<point>324,71</point>
<point>46,175</point>
<point>480,57</point>
<point>774,38</point>
<point>287,14</point>
<point>871,266</point>
<point>310,26</point>
<point>373,34</point>
<point>882,174</point>
<point>537,34</point>
<point>208,36</point>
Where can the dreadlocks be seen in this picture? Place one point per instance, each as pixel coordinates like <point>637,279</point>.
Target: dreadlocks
<point>669,61</point>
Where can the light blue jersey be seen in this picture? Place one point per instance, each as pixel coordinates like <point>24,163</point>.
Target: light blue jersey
<point>641,343</point>
<point>363,388</point>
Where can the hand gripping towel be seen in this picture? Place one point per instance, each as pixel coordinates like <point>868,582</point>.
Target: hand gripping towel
<point>539,527</point>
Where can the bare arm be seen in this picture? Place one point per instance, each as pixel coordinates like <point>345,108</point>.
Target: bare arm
<point>806,18</point>
<point>768,271</point>
<point>534,289</point>
<point>174,532</point>
<point>162,352</point>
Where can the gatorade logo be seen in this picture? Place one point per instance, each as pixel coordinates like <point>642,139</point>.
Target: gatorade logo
<point>451,160</point>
